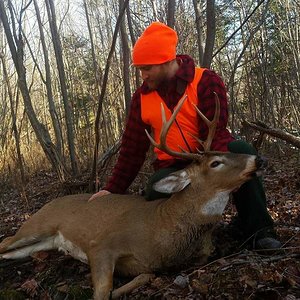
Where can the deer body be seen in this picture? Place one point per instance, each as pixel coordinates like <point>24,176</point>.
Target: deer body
<point>130,236</point>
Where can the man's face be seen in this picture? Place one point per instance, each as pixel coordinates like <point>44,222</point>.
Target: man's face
<point>153,75</point>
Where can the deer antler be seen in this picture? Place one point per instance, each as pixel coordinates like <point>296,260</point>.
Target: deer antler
<point>212,125</point>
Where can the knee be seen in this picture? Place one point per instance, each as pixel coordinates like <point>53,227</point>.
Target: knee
<point>241,147</point>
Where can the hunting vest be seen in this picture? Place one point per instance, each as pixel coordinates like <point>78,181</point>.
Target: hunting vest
<point>179,135</point>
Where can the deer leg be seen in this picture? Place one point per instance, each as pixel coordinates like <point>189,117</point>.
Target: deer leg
<point>102,269</point>
<point>207,247</point>
<point>133,284</point>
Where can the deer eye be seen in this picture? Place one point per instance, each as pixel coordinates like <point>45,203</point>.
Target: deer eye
<point>215,163</point>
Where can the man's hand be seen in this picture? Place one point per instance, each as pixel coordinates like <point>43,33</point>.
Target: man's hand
<point>99,194</point>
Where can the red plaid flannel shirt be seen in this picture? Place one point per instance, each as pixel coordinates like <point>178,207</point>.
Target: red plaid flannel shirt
<point>135,143</point>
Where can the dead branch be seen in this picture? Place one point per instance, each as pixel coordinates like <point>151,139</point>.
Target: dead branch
<point>289,138</point>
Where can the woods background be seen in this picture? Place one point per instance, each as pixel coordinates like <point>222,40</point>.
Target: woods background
<point>67,79</point>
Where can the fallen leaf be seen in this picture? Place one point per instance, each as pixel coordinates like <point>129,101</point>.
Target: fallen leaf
<point>30,287</point>
<point>199,287</point>
<point>41,255</point>
<point>63,288</point>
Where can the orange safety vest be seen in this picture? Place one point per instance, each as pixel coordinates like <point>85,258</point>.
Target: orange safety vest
<point>187,118</point>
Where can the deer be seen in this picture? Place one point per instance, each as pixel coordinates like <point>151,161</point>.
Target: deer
<point>129,236</point>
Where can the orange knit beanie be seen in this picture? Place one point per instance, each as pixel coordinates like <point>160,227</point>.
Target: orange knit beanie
<point>156,45</point>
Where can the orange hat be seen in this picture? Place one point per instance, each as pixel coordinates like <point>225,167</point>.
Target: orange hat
<point>156,45</point>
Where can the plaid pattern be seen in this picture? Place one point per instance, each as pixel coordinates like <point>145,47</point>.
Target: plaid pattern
<point>135,143</point>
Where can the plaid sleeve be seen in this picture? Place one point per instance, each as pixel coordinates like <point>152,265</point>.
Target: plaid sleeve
<point>133,150</point>
<point>210,83</point>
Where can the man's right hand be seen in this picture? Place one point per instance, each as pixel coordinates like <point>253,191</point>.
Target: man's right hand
<point>99,194</point>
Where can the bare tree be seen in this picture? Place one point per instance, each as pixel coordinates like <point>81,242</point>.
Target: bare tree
<point>126,59</point>
<point>133,40</point>
<point>171,13</point>
<point>48,84</point>
<point>256,53</point>
<point>16,48</point>
<point>210,33</point>
<point>205,51</point>
<point>154,10</point>
<point>95,64</point>
<point>14,121</point>
<point>62,78</point>
<point>246,43</point>
<point>103,89</point>
<point>199,25</point>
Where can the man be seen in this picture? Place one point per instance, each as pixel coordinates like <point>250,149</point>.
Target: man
<point>167,77</point>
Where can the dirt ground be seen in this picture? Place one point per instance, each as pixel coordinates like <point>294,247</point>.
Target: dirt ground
<point>234,272</point>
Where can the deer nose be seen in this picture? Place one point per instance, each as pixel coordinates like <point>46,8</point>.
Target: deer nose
<point>261,162</point>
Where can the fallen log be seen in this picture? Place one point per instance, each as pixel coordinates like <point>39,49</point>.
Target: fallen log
<point>289,138</point>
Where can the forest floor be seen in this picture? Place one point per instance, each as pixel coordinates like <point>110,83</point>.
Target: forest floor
<point>234,272</point>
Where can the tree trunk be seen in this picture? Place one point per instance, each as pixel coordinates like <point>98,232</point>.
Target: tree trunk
<point>101,98</point>
<point>210,33</point>
<point>62,79</point>
<point>133,40</point>
<point>171,13</point>
<point>154,10</point>
<point>40,130</point>
<point>126,58</point>
<point>95,65</point>
<point>48,83</point>
<point>199,22</point>
<point>14,122</point>
<point>231,81</point>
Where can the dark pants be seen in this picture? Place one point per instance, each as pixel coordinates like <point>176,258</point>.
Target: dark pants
<point>250,199</point>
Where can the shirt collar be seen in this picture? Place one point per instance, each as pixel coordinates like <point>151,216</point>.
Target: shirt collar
<point>186,71</point>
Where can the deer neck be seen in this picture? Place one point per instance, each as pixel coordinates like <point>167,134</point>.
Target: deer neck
<point>200,206</point>
<point>185,223</point>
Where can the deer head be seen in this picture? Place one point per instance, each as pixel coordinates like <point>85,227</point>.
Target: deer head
<point>219,168</point>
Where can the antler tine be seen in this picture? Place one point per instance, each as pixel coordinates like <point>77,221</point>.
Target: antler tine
<point>212,125</point>
<point>165,129</point>
<point>167,124</point>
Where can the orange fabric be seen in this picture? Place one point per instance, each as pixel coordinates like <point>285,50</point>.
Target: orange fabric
<point>156,45</point>
<point>187,118</point>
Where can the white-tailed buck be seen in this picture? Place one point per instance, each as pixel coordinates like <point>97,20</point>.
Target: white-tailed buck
<point>126,235</point>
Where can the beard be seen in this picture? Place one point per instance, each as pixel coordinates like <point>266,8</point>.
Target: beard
<point>154,83</point>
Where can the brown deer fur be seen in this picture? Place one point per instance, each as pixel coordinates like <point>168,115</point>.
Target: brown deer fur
<point>127,235</point>
<point>130,236</point>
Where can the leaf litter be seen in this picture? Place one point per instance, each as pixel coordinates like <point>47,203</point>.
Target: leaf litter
<point>234,271</point>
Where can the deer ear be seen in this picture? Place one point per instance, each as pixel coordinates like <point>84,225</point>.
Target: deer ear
<point>173,183</point>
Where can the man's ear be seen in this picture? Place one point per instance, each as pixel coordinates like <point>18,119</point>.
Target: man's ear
<point>173,183</point>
